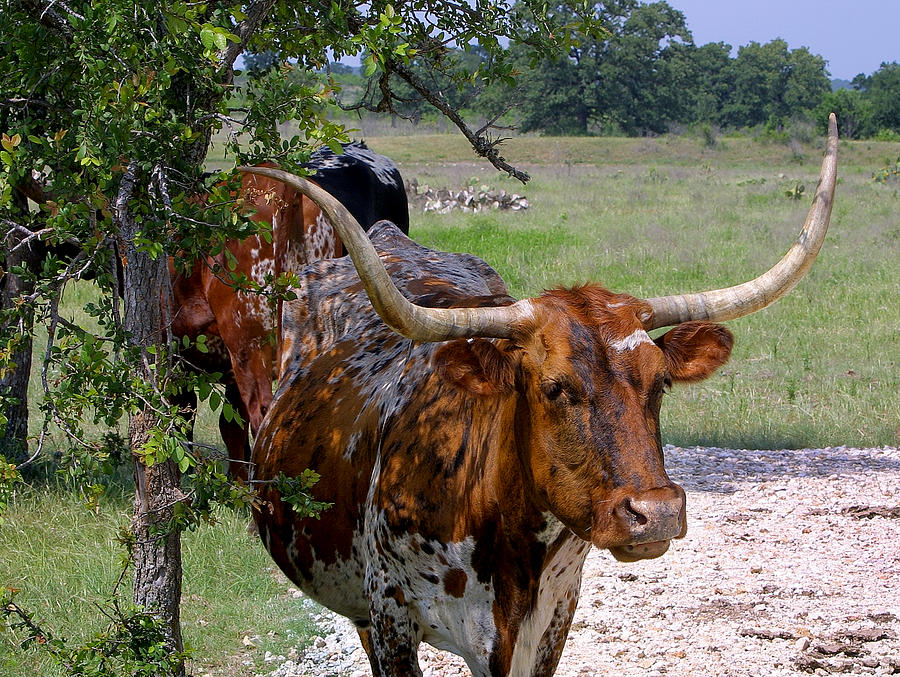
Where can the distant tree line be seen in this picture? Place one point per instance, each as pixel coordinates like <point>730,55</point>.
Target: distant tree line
<point>646,76</point>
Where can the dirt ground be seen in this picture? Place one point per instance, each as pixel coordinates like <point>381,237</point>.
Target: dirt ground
<point>791,566</point>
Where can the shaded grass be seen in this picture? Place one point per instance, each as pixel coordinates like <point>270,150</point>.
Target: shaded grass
<point>65,560</point>
<point>76,295</point>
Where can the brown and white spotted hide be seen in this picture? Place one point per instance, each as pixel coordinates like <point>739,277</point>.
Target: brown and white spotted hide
<point>242,326</point>
<point>470,478</point>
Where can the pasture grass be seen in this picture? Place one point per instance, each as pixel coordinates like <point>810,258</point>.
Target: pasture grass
<point>658,216</point>
<point>645,216</point>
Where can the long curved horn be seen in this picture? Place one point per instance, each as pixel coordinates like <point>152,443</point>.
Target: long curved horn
<point>408,319</point>
<point>732,302</point>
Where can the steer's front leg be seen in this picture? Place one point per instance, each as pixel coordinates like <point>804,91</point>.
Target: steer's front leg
<point>553,642</point>
<point>392,641</point>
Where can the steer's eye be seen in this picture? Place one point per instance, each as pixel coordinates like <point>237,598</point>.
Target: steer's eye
<point>552,389</point>
<point>667,384</point>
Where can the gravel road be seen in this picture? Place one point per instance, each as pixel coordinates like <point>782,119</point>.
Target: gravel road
<point>791,566</point>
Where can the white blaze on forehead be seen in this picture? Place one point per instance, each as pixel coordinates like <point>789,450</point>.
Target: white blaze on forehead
<point>631,341</point>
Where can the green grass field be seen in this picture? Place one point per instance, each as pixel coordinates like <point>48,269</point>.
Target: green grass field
<point>657,216</point>
<point>643,216</point>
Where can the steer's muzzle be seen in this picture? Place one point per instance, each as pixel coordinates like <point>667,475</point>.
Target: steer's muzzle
<point>640,525</point>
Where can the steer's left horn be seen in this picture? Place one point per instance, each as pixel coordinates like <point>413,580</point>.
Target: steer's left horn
<point>404,317</point>
<point>727,304</point>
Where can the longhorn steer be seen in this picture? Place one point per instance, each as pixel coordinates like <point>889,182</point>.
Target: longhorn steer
<point>242,326</point>
<point>470,477</point>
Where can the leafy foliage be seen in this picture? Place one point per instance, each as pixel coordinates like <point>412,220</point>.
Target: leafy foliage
<point>259,64</point>
<point>882,93</point>
<point>605,77</point>
<point>772,83</point>
<point>890,172</point>
<point>134,643</point>
<point>795,192</point>
<point>295,491</point>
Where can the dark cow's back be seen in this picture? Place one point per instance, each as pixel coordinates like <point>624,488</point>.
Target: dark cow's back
<point>369,185</point>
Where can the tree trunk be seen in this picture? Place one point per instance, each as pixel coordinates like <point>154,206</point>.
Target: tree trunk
<point>14,382</point>
<point>157,550</point>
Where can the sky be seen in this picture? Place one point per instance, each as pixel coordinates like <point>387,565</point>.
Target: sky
<point>853,36</point>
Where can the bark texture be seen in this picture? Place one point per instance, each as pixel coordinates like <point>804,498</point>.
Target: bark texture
<point>157,549</point>
<point>14,383</point>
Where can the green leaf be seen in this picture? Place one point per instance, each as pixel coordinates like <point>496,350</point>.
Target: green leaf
<point>208,37</point>
<point>230,260</point>
<point>203,390</point>
<point>176,25</point>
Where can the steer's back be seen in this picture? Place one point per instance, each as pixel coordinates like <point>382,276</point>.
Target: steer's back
<point>345,374</point>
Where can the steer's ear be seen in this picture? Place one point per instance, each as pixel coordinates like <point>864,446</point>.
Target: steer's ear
<point>694,350</point>
<point>476,365</point>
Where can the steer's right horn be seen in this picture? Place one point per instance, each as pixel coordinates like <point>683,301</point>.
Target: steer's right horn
<point>730,303</point>
<point>404,317</point>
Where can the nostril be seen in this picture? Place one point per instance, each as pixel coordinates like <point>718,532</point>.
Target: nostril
<point>639,517</point>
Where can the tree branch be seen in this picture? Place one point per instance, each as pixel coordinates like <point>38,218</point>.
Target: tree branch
<point>490,123</point>
<point>50,18</point>
<point>127,226</point>
<point>27,622</point>
<point>254,13</point>
<point>23,102</point>
<point>25,241</point>
<point>483,145</point>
